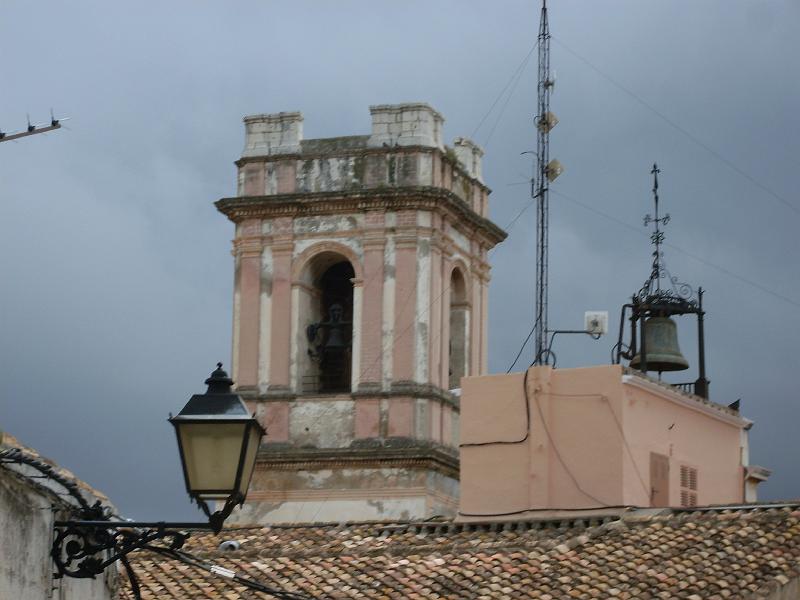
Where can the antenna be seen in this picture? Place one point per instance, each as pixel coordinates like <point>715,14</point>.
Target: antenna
<point>32,129</point>
<point>546,172</point>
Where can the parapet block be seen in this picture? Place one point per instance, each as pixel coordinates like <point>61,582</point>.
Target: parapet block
<point>416,124</point>
<point>469,154</point>
<point>278,133</point>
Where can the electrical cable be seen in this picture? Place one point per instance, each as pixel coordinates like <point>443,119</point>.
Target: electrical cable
<point>514,75</point>
<point>508,99</point>
<point>427,309</point>
<point>560,458</point>
<point>560,509</point>
<point>525,343</point>
<point>549,437</point>
<point>527,422</point>
<point>252,584</point>
<point>677,127</point>
<point>515,78</point>
<point>413,323</point>
<point>647,490</point>
<point>699,259</point>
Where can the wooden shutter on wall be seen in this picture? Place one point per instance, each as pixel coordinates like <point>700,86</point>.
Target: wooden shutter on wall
<point>688,485</point>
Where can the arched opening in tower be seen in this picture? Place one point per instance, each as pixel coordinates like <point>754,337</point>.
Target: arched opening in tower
<point>329,327</point>
<point>459,328</point>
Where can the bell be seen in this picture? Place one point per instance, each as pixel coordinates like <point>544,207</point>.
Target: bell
<point>336,339</point>
<point>661,346</point>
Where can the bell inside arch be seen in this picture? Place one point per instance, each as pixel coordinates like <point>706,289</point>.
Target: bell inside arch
<point>661,347</point>
<point>335,339</point>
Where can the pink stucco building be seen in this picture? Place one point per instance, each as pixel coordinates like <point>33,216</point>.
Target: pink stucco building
<point>589,438</point>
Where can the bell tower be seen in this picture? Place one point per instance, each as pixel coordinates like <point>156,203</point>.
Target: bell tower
<point>360,300</point>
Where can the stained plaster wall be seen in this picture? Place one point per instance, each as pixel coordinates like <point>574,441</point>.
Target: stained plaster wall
<point>347,494</point>
<point>27,515</point>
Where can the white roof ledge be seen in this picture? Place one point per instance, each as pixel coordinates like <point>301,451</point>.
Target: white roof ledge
<point>690,401</point>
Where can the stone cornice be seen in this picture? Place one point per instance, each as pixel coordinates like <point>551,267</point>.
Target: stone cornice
<point>428,198</point>
<point>357,152</point>
<point>400,389</point>
<point>403,453</point>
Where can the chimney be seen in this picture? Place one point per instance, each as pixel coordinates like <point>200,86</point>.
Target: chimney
<point>415,124</point>
<point>278,133</point>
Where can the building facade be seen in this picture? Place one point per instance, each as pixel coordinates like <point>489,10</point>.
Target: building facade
<point>589,438</point>
<point>360,300</point>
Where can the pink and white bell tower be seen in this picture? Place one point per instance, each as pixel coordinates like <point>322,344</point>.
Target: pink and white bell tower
<point>360,300</point>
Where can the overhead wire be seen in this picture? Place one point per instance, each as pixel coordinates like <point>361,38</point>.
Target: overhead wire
<point>553,445</point>
<point>514,76</point>
<point>427,308</point>
<point>560,458</point>
<point>724,160</point>
<point>405,304</point>
<point>527,423</point>
<point>508,98</point>
<point>691,255</point>
<point>525,343</point>
<point>193,561</point>
<point>645,487</point>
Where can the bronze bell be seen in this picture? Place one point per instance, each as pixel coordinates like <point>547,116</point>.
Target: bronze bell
<point>661,346</point>
<point>335,338</point>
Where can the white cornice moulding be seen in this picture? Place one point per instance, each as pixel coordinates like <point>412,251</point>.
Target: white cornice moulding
<point>683,400</point>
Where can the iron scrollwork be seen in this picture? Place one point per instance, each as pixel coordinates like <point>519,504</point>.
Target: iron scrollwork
<point>83,551</point>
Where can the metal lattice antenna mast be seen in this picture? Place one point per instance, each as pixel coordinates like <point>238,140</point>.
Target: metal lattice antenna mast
<point>540,191</point>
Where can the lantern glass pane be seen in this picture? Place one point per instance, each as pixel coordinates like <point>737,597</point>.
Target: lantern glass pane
<point>211,452</point>
<point>253,442</point>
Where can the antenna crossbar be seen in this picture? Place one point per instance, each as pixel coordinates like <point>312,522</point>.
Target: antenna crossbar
<point>31,130</point>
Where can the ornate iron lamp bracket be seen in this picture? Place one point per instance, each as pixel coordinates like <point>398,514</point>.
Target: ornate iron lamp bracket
<point>86,547</point>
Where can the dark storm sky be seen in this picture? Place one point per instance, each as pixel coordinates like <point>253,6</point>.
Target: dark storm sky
<point>115,267</point>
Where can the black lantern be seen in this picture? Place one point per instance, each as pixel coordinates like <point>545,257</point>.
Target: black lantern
<point>218,441</point>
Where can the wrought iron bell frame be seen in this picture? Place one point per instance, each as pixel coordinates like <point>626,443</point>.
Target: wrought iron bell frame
<point>664,305</point>
<point>653,300</point>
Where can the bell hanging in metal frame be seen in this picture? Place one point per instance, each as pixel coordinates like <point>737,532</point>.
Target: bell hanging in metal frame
<point>661,347</point>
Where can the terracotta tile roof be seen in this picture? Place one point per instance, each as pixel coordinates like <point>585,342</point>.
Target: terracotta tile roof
<point>735,552</point>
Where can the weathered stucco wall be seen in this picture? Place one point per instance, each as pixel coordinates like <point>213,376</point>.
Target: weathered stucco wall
<point>346,494</point>
<point>409,216</point>
<point>26,534</point>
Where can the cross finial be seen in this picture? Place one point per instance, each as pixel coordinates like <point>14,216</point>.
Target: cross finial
<point>657,237</point>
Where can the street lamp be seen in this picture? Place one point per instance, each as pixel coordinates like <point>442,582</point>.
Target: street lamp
<point>218,441</point>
